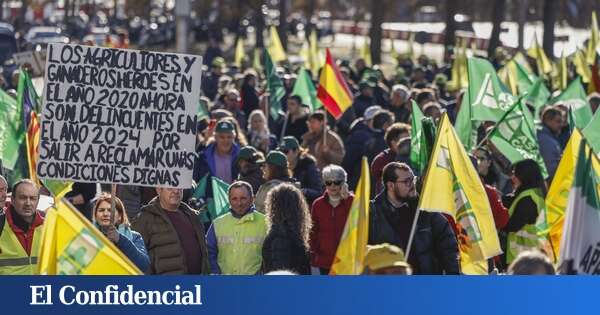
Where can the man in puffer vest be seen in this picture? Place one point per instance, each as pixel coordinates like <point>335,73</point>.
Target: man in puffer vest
<point>235,239</point>
<point>21,232</point>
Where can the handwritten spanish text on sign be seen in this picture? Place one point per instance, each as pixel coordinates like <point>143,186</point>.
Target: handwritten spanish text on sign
<point>119,116</point>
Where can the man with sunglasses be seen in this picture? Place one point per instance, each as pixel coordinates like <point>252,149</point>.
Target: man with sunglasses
<point>434,248</point>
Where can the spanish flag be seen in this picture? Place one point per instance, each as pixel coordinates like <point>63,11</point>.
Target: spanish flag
<point>452,186</point>
<point>350,254</point>
<point>32,142</point>
<point>333,90</point>
<point>71,245</point>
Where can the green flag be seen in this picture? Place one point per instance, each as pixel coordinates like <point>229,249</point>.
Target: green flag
<point>525,79</point>
<point>464,125</point>
<point>515,137</point>
<point>11,136</point>
<point>200,194</point>
<point>592,133</point>
<point>305,88</point>
<point>57,188</point>
<point>575,98</point>
<point>417,139</point>
<point>274,87</point>
<point>220,199</point>
<point>488,97</point>
<point>538,95</point>
<point>202,109</point>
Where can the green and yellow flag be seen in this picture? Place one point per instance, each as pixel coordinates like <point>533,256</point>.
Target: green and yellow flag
<point>575,98</point>
<point>581,67</point>
<point>350,254</point>
<point>452,186</point>
<point>558,194</point>
<point>72,245</point>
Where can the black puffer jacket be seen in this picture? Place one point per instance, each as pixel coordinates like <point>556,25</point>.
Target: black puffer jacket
<point>309,176</point>
<point>282,251</point>
<point>434,249</point>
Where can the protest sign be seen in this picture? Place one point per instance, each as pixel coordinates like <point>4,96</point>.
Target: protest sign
<point>119,116</point>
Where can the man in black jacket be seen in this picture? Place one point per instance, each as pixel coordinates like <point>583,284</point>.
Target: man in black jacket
<point>434,248</point>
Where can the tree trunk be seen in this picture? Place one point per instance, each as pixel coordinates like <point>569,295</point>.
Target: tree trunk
<point>310,11</point>
<point>549,21</point>
<point>498,11</point>
<point>283,11</point>
<point>450,34</point>
<point>522,7</point>
<point>375,32</point>
<point>260,27</point>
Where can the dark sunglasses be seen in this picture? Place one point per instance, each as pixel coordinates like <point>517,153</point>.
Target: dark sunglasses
<point>335,182</point>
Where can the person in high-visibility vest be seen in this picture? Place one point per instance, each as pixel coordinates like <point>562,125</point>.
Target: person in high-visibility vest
<point>21,231</point>
<point>235,239</point>
<point>527,211</point>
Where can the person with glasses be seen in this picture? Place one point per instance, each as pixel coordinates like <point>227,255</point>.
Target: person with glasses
<point>304,168</point>
<point>329,213</point>
<point>276,170</point>
<point>434,248</point>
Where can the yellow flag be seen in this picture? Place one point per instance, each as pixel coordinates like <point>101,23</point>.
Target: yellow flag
<point>452,186</point>
<point>256,65</point>
<point>350,254</point>
<point>71,245</point>
<point>393,53</point>
<point>239,53</point>
<point>522,61</point>
<point>563,73</point>
<point>581,67</point>
<point>536,52</point>
<point>508,75</point>
<point>558,194</point>
<point>590,55</point>
<point>365,52</point>
<point>460,77</point>
<point>275,48</point>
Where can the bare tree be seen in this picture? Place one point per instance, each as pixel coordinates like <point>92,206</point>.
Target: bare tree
<point>450,34</point>
<point>549,21</point>
<point>283,26</point>
<point>498,12</point>
<point>375,32</point>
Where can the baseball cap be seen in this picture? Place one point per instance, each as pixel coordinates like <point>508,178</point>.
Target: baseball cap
<point>289,143</point>
<point>224,126</point>
<point>365,84</point>
<point>277,158</point>
<point>371,111</point>
<point>250,154</point>
<point>218,62</point>
<point>384,256</point>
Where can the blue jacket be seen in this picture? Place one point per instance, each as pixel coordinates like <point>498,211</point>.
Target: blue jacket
<point>356,147</point>
<point>132,245</point>
<point>549,149</point>
<point>205,162</point>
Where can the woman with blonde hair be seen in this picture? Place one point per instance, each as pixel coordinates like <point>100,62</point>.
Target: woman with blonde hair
<point>286,245</point>
<point>259,135</point>
<point>119,231</point>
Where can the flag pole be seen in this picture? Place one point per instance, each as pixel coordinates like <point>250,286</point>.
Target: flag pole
<point>325,131</point>
<point>412,234</point>
<point>283,129</point>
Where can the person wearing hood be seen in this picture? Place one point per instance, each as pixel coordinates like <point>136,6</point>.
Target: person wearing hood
<point>119,231</point>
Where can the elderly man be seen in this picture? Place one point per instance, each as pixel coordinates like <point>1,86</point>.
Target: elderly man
<point>399,103</point>
<point>172,234</point>
<point>235,238</point>
<point>21,231</point>
<point>219,157</point>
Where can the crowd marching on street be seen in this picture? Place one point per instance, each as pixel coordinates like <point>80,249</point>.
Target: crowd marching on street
<point>471,165</point>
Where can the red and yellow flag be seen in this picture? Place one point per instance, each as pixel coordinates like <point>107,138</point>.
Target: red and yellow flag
<point>32,142</point>
<point>333,90</point>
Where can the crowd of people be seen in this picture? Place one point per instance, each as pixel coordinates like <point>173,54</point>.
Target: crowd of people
<point>291,180</point>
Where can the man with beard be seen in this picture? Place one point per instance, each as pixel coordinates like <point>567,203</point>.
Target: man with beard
<point>434,249</point>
